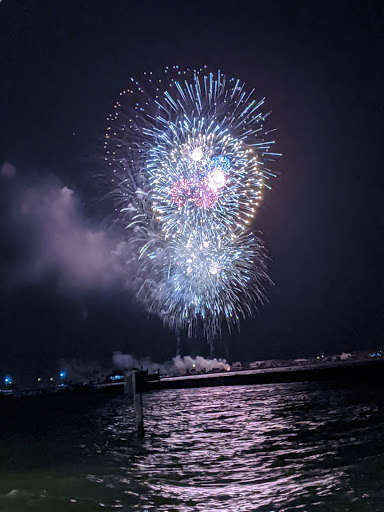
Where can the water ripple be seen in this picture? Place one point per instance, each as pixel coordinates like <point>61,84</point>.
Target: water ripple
<point>286,447</point>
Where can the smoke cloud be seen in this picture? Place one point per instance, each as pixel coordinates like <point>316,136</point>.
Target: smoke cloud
<point>178,365</point>
<point>7,170</point>
<point>78,371</point>
<point>49,235</point>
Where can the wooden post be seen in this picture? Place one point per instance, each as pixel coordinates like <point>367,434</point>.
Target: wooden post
<point>131,383</point>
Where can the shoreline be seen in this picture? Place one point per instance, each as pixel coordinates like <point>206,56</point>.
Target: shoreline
<point>316,372</point>
<point>309,373</point>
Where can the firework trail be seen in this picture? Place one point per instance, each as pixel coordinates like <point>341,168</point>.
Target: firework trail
<point>189,158</point>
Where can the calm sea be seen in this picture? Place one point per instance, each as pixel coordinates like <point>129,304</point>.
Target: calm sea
<point>285,447</point>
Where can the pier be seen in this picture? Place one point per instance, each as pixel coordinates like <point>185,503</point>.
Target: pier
<point>138,381</point>
<point>310,373</point>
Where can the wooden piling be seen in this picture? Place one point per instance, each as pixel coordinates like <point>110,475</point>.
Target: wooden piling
<point>132,383</point>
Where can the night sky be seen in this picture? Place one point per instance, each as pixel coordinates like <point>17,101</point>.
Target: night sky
<point>320,65</point>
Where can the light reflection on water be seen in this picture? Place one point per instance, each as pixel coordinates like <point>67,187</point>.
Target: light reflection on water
<point>285,447</point>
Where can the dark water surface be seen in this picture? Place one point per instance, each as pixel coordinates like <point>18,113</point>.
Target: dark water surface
<point>285,447</point>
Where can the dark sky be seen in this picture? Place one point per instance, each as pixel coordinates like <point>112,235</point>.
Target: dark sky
<point>320,64</point>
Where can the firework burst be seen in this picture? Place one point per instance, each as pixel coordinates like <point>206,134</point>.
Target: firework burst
<point>189,159</point>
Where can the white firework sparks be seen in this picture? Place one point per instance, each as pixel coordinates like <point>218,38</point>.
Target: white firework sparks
<point>190,157</point>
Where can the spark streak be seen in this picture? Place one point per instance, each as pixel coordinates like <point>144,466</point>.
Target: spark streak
<point>190,157</point>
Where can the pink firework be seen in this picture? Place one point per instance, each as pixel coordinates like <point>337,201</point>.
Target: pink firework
<point>205,196</point>
<point>181,192</point>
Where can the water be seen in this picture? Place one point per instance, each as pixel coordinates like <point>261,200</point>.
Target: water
<point>285,447</point>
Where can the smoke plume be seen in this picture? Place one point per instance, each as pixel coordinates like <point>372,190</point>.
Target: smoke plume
<point>48,236</point>
<point>178,365</point>
<point>79,371</point>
